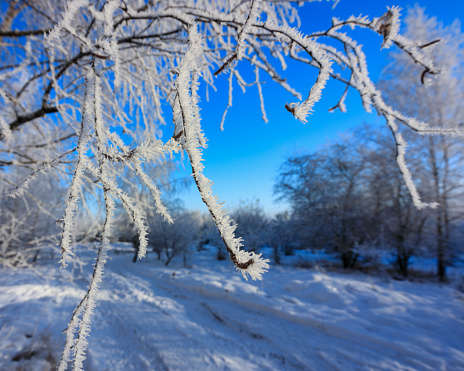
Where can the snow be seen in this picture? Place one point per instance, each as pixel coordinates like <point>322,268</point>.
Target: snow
<point>207,317</point>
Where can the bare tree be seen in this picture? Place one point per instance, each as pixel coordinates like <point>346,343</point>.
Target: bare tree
<point>327,191</point>
<point>283,235</point>
<point>252,223</point>
<point>350,197</point>
<point>394,222</point>
<point>83,86</point>
<point>177,239</point>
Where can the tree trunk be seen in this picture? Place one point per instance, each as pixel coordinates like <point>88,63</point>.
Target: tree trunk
<point>136,244</point>
<point>36,255</point>
<point>441,244</point>
<point>402,260</point>
<point>441,263</point>
<point>349,259</point>
<point>168,261</point>
<point>277,254</point>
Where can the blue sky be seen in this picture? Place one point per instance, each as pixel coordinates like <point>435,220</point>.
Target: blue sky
<point>243,160</point>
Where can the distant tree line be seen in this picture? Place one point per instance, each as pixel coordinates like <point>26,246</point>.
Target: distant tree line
<point>351,199</point>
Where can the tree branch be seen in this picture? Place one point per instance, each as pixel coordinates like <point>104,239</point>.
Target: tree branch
<point>16,33</point>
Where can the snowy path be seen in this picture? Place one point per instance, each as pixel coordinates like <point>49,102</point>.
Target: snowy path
<point>209,318</point>
<point>192,326</point>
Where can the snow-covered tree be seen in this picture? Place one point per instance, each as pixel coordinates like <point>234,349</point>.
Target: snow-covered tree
<point>169,240</point>
<point>283,235</point>
<point>439,102</point>
<point>84,86</point>
<point>29,223</point>
<point>252,223</point>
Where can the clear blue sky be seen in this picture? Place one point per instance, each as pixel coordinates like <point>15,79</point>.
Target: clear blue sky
<point>243,160</point>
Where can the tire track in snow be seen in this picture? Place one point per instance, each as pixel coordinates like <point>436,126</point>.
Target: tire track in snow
<point>138,352</point>
<point>334,339</point>
<point>224,343</point>
<point>283,344</point>
<point>217,330</point>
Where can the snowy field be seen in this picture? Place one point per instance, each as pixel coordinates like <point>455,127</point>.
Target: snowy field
<point>207,317</point>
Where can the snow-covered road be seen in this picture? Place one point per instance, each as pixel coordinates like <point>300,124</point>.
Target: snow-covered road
<point>208,318</point>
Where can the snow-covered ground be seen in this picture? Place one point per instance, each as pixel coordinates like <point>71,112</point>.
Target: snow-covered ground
<point>208,317</point>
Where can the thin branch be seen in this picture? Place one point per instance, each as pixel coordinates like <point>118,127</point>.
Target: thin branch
<point>18,33</point>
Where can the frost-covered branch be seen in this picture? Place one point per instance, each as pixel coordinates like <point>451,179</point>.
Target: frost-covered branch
<point>19,189</point>
<point>187,114</point>
<point>239,53</point>
<point>85,308</point>
<point>76,185</point>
